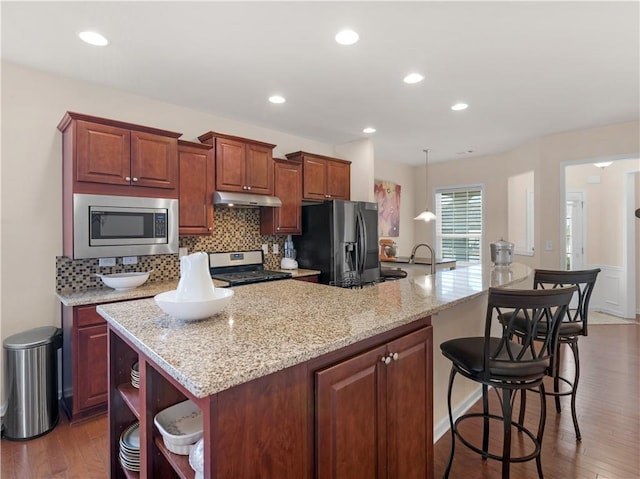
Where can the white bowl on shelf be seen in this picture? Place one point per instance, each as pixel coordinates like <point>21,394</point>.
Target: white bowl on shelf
<point>124,281</point>
<point>180,426</point>
<point>193,310</point>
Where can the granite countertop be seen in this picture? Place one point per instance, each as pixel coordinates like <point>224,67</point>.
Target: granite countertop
<point>270,326</point>
<point>300,272</point>
<point>107,295</point>
<point>418,260</point>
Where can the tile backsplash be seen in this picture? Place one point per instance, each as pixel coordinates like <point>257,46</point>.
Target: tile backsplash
<point>235,229</point>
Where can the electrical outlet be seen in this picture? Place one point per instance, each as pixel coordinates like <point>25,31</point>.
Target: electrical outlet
<point>265,248</point>
<point>275,248</point>
<point>548,245</point>
<point>182,252</point>
<point>105,262</point>
<point>129,260</point>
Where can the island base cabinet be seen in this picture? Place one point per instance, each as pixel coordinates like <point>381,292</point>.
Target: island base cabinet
<point>374,412</point>
<point>364,411</point>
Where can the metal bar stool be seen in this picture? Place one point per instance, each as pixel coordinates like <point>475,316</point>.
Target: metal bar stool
<point>572,327</point>
<point>508,366</point>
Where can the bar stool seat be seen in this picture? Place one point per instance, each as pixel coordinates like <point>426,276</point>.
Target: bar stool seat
<point>508,366</point>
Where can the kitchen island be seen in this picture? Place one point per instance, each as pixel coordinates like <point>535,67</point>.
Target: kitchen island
<point>294,379</point>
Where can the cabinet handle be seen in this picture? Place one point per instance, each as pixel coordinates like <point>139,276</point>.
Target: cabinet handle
<point>210,228</point>
<point>248,187</point>
<point>386,359</point>
<point>135,179</point>
<point>395,356</point>
<point>128,178</point>
<point>244,187</point>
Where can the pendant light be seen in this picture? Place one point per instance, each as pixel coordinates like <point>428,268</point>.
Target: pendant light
<point>426,215</point>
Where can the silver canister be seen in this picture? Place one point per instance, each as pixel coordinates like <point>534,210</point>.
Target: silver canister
<point>501,253</point>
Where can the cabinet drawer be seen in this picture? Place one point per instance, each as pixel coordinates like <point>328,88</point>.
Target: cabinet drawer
<point>87,316</point>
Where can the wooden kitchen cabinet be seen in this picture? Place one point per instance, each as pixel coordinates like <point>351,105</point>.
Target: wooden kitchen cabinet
<point>197,184</point>
<point>286,219</point>
<point>324,178</point>
<point>103,156</point>
<point>242,165</point>
<point>84,362</point>
<point>374,412</point>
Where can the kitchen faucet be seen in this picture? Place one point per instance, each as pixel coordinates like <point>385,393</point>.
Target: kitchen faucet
<point>412,258</point>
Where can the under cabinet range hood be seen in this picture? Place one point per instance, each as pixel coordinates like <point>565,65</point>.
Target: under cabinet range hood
<point>245,200</point>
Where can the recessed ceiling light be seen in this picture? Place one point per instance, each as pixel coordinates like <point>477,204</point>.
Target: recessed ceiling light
<point>347,37</point>
<point>459,106</point>
<point>413,78</point>
<point>277,99</point>
<point>93,38</point>
<point>369,130</point>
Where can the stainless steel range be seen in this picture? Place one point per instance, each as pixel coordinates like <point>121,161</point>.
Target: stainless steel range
<point>242,267</point>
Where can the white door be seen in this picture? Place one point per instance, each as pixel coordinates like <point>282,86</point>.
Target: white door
<point>574,231</point>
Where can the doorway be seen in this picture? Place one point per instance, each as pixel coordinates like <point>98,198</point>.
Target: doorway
<point>599,229</point>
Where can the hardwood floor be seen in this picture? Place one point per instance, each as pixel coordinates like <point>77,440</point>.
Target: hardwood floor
<point>608,408</point>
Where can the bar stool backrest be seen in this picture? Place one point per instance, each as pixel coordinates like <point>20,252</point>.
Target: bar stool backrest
<point>584,280</point>
<point>542,308</point>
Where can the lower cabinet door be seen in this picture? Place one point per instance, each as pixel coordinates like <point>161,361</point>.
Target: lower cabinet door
<point>350,411</point>
<point>92,384</point>
<point>409,406</point>
<point>374,413</point>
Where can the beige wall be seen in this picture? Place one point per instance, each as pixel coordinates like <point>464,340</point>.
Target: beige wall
<point>360,153</point>
<point>637,221</point>
<point>546,157</point>
<point>401,175</point>
<point>33,103</point>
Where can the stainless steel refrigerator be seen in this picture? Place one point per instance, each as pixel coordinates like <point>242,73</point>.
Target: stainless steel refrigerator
<point>340,239</point>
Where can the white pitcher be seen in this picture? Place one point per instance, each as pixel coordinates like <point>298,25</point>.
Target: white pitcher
<point>195,281</point>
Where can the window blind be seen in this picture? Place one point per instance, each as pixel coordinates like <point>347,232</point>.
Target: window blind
<point>459,225</point>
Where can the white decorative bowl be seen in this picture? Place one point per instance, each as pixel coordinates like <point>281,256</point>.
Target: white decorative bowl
<point>124,281</point>
<point>193,310</point>
<point>180,426</point>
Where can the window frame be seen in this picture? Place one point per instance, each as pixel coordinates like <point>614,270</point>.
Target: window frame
<point>438,227</point>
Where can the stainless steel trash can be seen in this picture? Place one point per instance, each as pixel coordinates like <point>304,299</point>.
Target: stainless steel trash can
<point>31,361</point>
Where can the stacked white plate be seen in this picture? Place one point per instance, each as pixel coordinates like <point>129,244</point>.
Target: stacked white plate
<point>135,376</point>
<point>130,447</point>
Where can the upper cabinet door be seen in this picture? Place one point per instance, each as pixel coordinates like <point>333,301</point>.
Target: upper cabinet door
<point>230,165</point>
<point>338,180</point>
<point>103,153</point>
<point>196,189</point>
<point>315,179</point>
<point>288,187</point>
<point>259,170</point>
<point>154,160</point>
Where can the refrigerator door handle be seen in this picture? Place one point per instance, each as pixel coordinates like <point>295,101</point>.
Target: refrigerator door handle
<point>362,244</point>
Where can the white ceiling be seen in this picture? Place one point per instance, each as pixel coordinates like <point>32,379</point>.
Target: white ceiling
<point>526,69</point>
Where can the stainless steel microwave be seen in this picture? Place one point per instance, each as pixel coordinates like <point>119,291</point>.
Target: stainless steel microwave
<point>105,226</point>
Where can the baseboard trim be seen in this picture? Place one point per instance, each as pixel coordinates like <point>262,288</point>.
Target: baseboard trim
<point>443,426</point>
